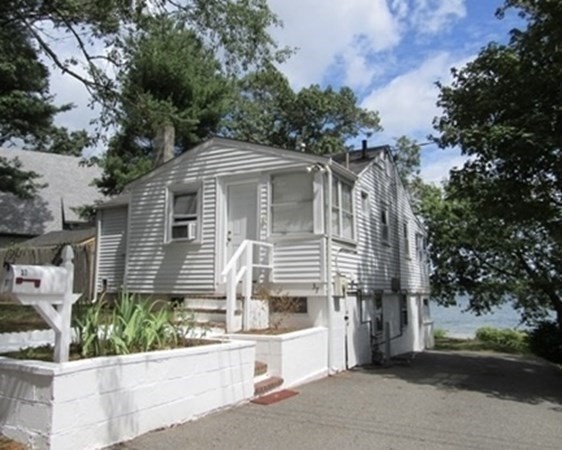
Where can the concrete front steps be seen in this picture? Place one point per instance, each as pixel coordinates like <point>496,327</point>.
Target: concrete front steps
<point>209,312</point>
<point>263,382</point>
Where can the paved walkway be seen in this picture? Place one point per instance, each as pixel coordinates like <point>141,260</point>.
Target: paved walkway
<point>442,401</point>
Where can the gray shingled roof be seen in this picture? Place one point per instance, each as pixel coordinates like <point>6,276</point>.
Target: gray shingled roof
<point>68,186</point>
<point>61,237</point>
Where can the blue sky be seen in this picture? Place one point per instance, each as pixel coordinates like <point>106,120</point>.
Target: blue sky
<point>390,52</point>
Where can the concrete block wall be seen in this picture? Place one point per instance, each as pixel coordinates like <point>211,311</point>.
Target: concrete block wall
<point>297,357</point>
<point>98,402</point>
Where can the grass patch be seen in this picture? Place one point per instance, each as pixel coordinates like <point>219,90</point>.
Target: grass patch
<point>487,339</point>
<point>14,318</point>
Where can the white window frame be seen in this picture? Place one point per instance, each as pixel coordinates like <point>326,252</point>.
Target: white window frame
<point>273,204</point>
<point>337,207</point>
<point>191,221</point>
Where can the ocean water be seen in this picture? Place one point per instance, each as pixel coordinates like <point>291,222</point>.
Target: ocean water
<point>464,324</point>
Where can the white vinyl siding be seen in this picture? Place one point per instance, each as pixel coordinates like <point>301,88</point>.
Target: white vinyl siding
<point>375,261</point>
<point>112,248</point>
<point>181,267</point>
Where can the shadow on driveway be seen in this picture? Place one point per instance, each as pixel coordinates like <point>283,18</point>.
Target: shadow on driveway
<point>508,377</point>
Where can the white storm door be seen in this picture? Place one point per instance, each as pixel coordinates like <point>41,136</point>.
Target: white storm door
<point>242,210</point>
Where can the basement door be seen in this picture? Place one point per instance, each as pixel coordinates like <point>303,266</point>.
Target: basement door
<point>242,212</point>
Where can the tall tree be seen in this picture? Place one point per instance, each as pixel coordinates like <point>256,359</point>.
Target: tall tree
<point>315,119</point>
<point>500,236</point>
<point>27,110</point>
<point>173,95</point>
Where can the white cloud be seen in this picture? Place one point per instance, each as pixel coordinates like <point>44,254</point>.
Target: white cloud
<point>324,30</point>
<point>407,104</point>
<point>432,16</point>
<point>436,169</point>
<point>352,31</point>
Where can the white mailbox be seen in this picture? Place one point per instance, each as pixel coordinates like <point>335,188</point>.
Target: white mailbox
<point>27,282</point>
<point>43,287</point>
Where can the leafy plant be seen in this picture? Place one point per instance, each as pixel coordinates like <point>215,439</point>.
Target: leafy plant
<point>503,339</point>
<point>135,324</point>
<point>280,305</point>
<point>440,333</point>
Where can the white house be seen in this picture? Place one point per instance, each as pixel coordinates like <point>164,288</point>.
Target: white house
<point>338,232</point>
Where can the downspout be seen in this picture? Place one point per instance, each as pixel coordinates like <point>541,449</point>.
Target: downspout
<point>330,288</point>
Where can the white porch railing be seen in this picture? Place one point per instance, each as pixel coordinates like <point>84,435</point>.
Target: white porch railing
<point>241,268</point>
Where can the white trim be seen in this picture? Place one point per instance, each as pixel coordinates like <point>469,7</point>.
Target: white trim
<point>173,189</point>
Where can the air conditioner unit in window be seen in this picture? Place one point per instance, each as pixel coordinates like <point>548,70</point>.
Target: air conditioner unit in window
<point>191,230</point>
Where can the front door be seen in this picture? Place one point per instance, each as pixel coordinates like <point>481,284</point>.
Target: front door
<point>242,210</point>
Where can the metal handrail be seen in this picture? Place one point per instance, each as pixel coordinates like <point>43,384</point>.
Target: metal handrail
<point>233,277</point>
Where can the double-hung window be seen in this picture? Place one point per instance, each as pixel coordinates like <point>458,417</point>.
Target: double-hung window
<point>184,215</point>
<point>342,209</point>
<point>292,199</point>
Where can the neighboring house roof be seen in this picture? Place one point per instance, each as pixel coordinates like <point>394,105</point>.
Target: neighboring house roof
<point>68,186</point>
<point>61,237</point>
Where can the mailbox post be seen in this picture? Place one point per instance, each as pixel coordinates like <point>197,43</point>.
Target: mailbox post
<point>49,290</point>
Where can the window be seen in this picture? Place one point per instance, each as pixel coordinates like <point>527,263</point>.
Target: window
<point>364,203</point>
<point>403,311</point>
<point>406,240</point>
<point>184,216</point>
<point>385,230</point>
<point>419,246</point>
<point>342,209</point>
<point>291,203</point>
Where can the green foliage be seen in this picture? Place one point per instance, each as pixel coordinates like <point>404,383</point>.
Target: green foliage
<point>486,339</point>
<point>135,325</point>
<point>439,333</point>
<point>546,341</point>
<point>269,112</point>
<point>503,339</point>
<point>497,226</point>
<point>170,79</point>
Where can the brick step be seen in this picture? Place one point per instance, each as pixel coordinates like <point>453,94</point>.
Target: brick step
<point>267,385</point>
<point>260,368</point>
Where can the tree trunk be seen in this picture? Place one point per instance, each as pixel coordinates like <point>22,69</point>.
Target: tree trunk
<point>164,144</point>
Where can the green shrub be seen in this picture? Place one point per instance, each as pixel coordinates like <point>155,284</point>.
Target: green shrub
<point>546,341</point>
<point>503,339</point>
<point>440,333</point>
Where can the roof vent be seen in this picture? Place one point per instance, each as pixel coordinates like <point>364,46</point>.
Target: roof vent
<point>364,148</point>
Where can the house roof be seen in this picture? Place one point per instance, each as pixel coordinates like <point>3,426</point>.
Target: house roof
<point>123,198</point>
<point>61,237</point>
<point>68,186</point>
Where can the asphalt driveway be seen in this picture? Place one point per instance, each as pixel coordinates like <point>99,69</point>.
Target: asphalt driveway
<point>443,400</point>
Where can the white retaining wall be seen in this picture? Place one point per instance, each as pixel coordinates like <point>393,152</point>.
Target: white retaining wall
<point>101,401</point>
<point>297,357</point>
